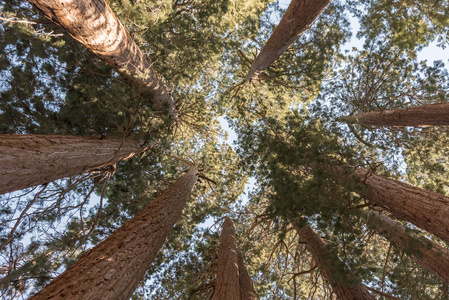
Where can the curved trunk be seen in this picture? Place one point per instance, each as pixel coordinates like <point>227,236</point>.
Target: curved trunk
<point>418,116</point>
<point>95,25</point>
<point>246,284</point>
<point>330,265</point>
<point>114,268</point>
<point>425,209</point>
<point>28,160</point>
<point>298,18</point>
<point>227,286</point>
<point>423,251</point>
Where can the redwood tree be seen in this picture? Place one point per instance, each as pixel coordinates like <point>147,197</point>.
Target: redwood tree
<point>29,160</point>
<point>94,24</point>
<point>233,281</point>
<point>417,116</point>
<point>346,288</point>
<point>423,251</point>
<point>114,268</point>
<point>297,19</point>
<point>425,209</point>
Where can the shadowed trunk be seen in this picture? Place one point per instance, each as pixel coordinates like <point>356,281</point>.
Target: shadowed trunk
<point>114,268</point>
<point>227,286</point>
<point>425,209</point>
<point>421,250</point>
<point>27,160</point>
<point>418,116</point>
<point>233,281</point>
<point>95,25</point>
<point>297,19</point>
<point>332,268</point>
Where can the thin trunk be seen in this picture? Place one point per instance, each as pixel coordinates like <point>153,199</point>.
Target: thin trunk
<point>425,209</point>
<point>227,285</point>
<point>419,116</point>
<point>29,160</point>
<point>421,250</point>
<point>246,284</point>
<point>95,25</point>
<point>297,19</point>
<point>114,268</point>
<point>332,268</point>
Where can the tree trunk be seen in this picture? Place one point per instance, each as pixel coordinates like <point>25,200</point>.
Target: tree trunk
<point>227,285</point>
<point>246,284</point>
<point>332,268</point>
<point>425,209</point>
<point>114,268</point>
<point>297,19</point>
<point>95,25</point>
<point>421,250</point>
<point>418,116</point>
<point>29,160</point>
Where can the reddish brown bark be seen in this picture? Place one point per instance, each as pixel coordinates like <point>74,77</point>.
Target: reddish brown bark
<point>114,268</point>
<point>95,25</point>
<point>233,281</point>
<point>425,209</point>
<point>29,160</point>
<point>330,264</point>
<point>227,286</point>
<point>423,251</point>
<point>418,116</point>
<point>298,18</point>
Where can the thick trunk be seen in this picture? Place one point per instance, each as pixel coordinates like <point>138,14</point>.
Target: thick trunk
<point>227,285</point>
<point>29,160</point>
<point>423,251</point>
<point>297,19</point>
<point>114,268</point>
<point>330,264</point>
<point>425,209</point>
<point>246,284</point>
<point>95,25</point>
<point>418,116</point>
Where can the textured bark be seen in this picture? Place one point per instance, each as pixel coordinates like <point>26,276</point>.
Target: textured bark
<point>423,251</point>
<point>418,116</point>
<point>114,268</point>
<point>95,25</point>
<point>330,264</point>
<point>298,18</point>
<point>29,160</point>
<point>425,209</point>
<point>246,284</point>
<point>227,285</point>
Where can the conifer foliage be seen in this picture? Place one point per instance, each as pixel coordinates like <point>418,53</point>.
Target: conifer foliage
<point>335,185</point>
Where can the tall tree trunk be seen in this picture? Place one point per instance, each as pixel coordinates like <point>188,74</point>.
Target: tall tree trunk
<point>425,209</point>
<point>423,251</point>
<point>95,25</point>
<point>418,116</point>
<point>233,281</point>
<point>297,19</point>
<point>227,285</point>
<point>29,160</point>
<point>331,265</point>
<point>246,284</point>
<point>114,268</point>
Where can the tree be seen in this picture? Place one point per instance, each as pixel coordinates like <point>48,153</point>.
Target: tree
<point>297,19</point>
<point>423,251</point>
<point>114,268</point>
<point>345,285</point>
<point>425,209</point>
<point>30,160</point>
<point>95,25</point>
<point>417,116</point>
<point>233,281</point>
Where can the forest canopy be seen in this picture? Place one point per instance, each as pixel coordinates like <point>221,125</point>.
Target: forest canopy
<point>333,184</point>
